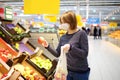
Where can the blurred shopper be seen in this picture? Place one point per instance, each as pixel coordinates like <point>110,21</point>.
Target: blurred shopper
<point>83,28</point>
<point>76,49</point>
<point>95,32</point>
<point>99,33</point>
<point>88,31</point>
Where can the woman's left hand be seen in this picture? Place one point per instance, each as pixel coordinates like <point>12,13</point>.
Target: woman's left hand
<point>66,48</point>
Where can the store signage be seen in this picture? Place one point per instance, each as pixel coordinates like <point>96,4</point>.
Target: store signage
<point>2,12</point>
<point>50,18</point>
<point>104,23</point>
<point>41,6</point>
<point>8,13</point>
<point>93,21</point>
<point>113,24</point>
<point>79,20</point>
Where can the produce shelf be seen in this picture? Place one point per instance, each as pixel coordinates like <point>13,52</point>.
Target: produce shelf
<point>42,70</point>
<point>27,70</point>
<point>5,46</point>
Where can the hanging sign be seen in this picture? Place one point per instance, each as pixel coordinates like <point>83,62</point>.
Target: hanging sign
<point>93,21</point>
<point>50,18</point>
<point>41,6</point>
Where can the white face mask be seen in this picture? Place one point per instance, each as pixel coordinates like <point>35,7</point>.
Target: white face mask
<point>64,26</point>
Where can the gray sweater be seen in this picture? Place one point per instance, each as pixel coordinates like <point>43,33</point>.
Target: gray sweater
<point>77,55</point>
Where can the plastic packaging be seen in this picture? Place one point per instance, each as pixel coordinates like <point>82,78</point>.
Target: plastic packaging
<point>61,69</point>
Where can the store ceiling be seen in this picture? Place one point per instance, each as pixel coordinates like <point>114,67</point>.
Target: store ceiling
<point>104,9</point>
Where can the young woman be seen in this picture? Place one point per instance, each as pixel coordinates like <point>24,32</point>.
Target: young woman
<point>76,48</point>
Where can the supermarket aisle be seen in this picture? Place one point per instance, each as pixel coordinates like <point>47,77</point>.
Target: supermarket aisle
<point>104,60</point>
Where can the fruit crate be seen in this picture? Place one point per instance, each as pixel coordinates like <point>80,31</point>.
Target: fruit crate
<point>26,47</point>
<point>4,34</point>
<point>8,24</point>
<point>5,50</point>
<point>8,73</point>
<point>26,69</point>
<point>42,70</point>
<point>12,33</point>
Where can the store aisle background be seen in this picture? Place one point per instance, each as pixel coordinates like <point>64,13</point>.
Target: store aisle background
<point>104,60</point>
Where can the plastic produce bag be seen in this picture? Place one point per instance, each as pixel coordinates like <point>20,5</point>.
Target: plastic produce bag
<point>61,69</point>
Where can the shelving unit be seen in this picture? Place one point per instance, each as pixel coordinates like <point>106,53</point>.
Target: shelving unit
<point>25,45</point>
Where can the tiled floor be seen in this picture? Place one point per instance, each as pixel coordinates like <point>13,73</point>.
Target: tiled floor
<point>104,60</point>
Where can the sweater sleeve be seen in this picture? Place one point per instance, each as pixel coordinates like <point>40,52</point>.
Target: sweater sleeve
<point>56,52</point>
<point>81,51</point>
<point>52,51</point>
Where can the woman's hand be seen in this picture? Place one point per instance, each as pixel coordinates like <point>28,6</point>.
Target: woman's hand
<point>45,44</point>
<point>42,41</point>
<point>66,48</point>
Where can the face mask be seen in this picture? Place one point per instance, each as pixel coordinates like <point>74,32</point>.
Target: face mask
<point>64,26</point>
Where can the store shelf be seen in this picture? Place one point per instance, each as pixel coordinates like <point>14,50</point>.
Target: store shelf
<point>25,66</point>
<point>114,41</point>
<point>42,70</point>
<point>4,46</point>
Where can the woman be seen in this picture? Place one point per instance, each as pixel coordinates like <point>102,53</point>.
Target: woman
<point>76,48</point>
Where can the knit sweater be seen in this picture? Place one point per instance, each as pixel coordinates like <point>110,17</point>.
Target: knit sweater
<point>77,55</point>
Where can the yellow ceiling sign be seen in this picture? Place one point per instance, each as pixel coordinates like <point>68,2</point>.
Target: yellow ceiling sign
<point>80,24</point>
<point>79,20</point>
<point>50,18</point>
<point>41,6</point>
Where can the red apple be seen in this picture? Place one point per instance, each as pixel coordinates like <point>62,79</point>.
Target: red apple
<point>31,73</point>
<point>36,77</point>
<point>42,78</point>
<point>41,40</point>
<point>4,75</point>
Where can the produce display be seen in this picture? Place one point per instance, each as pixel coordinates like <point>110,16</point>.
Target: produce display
<point>42,63</point>
<point>2,76</point>
<point>43,29</point>
<point>115,34</point>
<point>6,51</point>
<point>23,48</point>
<point>18,30</point>
<point>1,34</point>
<point>28,73</point>
<point>5,54</point>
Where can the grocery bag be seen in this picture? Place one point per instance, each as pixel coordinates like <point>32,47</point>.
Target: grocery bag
<point>61,69</point>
